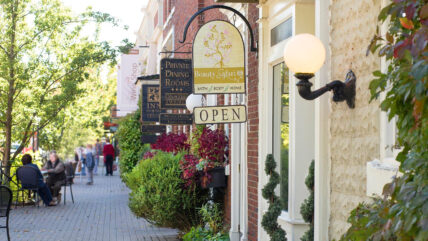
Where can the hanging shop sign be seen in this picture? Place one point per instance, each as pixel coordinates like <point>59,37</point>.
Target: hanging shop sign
<point>148,139</point>
<point>150,108</point>
<point>153,129</point>
<point>220,114</point>
<point>176,119</point>
<point>175,83</point>
<point>218,59</point>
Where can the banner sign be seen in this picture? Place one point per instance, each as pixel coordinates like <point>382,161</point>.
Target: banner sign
<point>218,59</point>
<point>148,139</point>
<point>127,92</point>
<point>176,119</point>
<point>150,97</point>
<point>175,83</point>
<point>220,114</point>
<point>153,129</point>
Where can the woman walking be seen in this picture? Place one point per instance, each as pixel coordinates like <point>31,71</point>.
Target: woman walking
<point>89,163</point>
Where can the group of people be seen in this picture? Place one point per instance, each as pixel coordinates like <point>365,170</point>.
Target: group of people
<point>49,191</point>
<point>56,170</point>
<point>88,159</point>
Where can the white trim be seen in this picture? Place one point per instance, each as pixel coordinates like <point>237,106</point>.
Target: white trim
<point>168,19</point>
<point>322,127</point>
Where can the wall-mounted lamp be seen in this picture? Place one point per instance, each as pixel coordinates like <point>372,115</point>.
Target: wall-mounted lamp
<point>193,101</point>
<point>304,54</point>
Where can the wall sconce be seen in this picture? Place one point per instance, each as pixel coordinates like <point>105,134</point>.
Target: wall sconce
<point>304,54</point>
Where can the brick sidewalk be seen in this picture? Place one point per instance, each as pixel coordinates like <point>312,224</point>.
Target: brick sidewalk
<point>100,212</point>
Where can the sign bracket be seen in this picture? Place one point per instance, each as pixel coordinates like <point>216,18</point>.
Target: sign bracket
<point>253,43</point>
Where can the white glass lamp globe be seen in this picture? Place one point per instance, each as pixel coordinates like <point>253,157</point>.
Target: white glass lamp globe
<point>304,53</point>
<point>193,101</point>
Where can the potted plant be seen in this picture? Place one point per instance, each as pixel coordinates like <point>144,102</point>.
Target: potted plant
<point>212,150</point>
<point>204,165</point>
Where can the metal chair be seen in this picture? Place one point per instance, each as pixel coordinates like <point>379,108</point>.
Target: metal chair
<point>69,176</point>
<point>27,178</point>
<point>5,203</point>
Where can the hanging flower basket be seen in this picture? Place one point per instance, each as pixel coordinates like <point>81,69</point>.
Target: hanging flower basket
<point>213,178</point>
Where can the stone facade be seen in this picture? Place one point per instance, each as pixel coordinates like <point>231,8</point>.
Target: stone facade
<point>354,134</point>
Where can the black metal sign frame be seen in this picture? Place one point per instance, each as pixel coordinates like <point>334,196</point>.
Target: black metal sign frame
<point>253,42</point>
<point>176,82</point>
<point>153,128</point>
<point>176,119</point>
<point>149,139</point>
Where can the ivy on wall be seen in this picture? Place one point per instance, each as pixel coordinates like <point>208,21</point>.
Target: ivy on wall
<point>270,218</point>
<point>402,212</point>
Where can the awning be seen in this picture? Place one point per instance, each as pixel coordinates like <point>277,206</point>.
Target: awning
<point>147,77</point>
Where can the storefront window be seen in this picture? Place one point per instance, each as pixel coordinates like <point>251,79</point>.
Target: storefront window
<point>281,126</point>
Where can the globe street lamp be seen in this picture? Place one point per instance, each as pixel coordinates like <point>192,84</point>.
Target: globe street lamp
<point>304,54</point>
<point>193,101</point>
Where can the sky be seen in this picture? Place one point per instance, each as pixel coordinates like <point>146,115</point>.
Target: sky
<point>127,11</point>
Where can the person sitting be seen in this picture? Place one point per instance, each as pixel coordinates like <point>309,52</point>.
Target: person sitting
<point>56,175</point>
<point>43,189</point>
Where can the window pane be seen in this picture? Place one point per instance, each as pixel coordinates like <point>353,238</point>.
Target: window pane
<point>281,32</point>
<point>281,107</point>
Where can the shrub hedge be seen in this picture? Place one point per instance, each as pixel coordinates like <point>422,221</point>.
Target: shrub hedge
<point>159,195</point>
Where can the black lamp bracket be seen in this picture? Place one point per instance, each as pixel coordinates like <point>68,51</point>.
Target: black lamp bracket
<point>253,42</point>
<point>342,91</point>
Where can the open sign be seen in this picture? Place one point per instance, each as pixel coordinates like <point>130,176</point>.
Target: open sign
<point>220,114</point>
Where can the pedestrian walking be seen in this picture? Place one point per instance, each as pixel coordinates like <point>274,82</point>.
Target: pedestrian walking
<point>90,164</point>
<point>82,161</point>
<point>108,153</point>
<point>98,153</point>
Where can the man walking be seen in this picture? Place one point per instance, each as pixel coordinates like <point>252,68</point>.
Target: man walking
<point>108,153</point>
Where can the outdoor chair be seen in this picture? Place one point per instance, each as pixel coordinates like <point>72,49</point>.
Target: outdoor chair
<point>69,176</point>
<point>5,203</point>
<point>28,177</point>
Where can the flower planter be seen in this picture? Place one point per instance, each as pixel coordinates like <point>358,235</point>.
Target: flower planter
<point>218,177</point>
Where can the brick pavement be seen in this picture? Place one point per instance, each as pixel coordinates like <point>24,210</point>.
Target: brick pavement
<point>100,213</point>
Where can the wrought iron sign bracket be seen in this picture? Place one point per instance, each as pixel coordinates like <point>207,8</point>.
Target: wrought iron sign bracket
<point>253,42</point>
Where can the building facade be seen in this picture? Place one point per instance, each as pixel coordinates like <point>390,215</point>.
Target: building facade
<point>351,148</point>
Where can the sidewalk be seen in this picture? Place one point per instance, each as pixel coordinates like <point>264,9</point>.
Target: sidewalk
<point>100,212</point>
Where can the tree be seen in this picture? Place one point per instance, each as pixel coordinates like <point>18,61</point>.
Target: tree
<point>81,122</point>
<point>43,59</point>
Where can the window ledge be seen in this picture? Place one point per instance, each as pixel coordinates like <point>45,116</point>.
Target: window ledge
<point>380,173</point>
<point>285,217</point>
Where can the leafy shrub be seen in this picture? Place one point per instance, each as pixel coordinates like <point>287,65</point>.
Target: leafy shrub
<point>129,137</point>
<point>158,193</point>
<point>212,217</point>
<point>307,209</point>
<point>402,214</point>
<point>171,143</point>
<point>201,234</point>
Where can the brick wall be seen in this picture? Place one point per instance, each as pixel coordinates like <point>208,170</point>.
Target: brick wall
<point>253,129</point>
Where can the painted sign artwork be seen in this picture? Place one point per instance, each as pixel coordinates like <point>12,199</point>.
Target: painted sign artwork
<point>218,59</point>
<point>220,114</point>
<point>175,83</point>
<point>150,107</point>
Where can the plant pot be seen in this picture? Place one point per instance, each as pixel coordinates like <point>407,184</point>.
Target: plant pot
<point>218,177</point>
